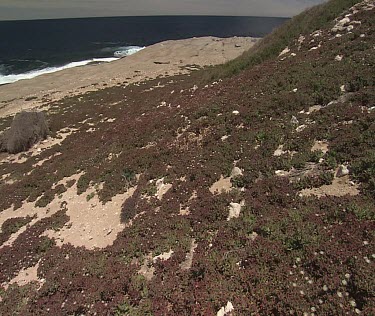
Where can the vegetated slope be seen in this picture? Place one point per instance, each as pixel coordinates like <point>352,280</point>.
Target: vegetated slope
<point>253,195</point>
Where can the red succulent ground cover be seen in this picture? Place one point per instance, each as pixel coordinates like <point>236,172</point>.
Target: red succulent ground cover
<point>284,254</point>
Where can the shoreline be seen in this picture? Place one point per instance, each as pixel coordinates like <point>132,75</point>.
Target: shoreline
<point>162,59</point>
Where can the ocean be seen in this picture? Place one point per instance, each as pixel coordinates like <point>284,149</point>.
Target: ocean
<point>31,48</point>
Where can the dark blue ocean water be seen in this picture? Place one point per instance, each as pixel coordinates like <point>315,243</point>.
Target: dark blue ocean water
<point>27,46</point>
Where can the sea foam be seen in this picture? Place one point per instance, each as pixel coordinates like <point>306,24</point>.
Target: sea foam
<point>121,52</point>
<point>127,51</point>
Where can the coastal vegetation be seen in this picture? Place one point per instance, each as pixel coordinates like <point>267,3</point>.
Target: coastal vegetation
<point>252,193</point>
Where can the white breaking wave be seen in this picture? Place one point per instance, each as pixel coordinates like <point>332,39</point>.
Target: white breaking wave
<point>127,51</point>
<point>35,73</point>
<point>121,52</point>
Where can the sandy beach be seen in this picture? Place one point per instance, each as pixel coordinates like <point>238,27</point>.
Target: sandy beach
<point>162,59</point>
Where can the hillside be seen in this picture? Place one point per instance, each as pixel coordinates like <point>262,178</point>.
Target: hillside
<point>253,194</point>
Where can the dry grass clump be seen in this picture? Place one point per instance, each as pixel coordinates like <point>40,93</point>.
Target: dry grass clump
<point>27,129</point>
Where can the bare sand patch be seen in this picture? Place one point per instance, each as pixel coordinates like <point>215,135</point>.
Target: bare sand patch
<point>26,276</point>
<point>161,59</point>
<point>339,187</point>
<point>320,145</point>
<point>29,209</point>
<point>92,224</point>
<point>41,162</point>
<point>221,185</point>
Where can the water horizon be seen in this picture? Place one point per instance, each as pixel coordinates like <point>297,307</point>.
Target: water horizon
<point>33,47</point>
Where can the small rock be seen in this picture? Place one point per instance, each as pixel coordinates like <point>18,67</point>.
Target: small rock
<point>253,236</point>
<point>225,310</point>
<point>285,51</point>
<point>195,88</point>
<point>300,128</point>
<point>281,173</point>
<point>342,171</point>
<point>279,151</point>
<point>338,58</point>
<point>236,172</point>
<point>344,21</point>
<point>234,210</point>
<point>294,120</point>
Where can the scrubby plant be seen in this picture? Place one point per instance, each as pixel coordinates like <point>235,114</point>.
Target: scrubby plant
<point>27,129</point>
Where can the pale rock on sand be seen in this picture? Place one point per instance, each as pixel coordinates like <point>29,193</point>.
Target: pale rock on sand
<point>235,210</point>
<point>164,256</point>
<point>279,151</point>
<point>286,50</point>
<point>225,184</point>
<point>225,310</point>
<point>314,108</point>
<point>236,172</point>
<point>162,188</point>
<point>342,171</point>
<point>174,56</point>
<point>338,58</point>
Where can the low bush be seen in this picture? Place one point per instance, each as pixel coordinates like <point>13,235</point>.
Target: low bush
<point>27,129</point>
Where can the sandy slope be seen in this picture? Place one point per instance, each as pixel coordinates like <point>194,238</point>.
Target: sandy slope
<point>166,58</point>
